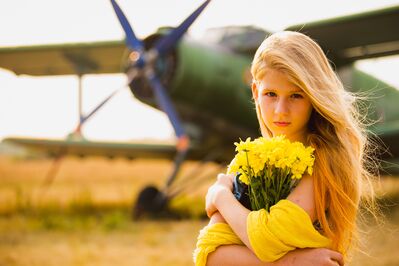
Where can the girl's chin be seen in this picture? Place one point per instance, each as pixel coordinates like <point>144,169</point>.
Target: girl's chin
<point>280,133</point>
<point>286,134</point>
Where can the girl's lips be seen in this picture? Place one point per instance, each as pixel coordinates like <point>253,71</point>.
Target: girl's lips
<point>282,124</point>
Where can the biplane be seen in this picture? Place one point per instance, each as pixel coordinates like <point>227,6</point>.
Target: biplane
<point>204,86</point>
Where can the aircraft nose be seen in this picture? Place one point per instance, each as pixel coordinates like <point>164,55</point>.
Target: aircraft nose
<point>164,67</point>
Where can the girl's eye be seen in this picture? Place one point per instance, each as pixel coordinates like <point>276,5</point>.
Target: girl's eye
<point>270,94</point>
<point>296,96</point>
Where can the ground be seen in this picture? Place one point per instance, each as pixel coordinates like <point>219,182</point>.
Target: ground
<point>83,217</point>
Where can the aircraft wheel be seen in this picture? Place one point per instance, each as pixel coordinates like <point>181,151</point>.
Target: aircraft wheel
<point>149,201</point>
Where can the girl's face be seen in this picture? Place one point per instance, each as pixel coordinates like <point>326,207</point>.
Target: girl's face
<point>284,108</point>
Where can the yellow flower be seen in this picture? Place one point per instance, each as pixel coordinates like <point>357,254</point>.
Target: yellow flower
<point>244,178</point>
<point>268,167</point>
<point>246,145</point>
<point>279,152</point>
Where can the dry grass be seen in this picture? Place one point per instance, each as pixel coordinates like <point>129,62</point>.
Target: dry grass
<point>83,218</point>
<point>141,243</point>
<point>98,181</point>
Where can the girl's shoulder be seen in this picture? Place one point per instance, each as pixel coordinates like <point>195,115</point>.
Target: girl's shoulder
<point>303,195</point>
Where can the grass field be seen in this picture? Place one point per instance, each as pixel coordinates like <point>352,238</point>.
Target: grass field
<point>83,218</point>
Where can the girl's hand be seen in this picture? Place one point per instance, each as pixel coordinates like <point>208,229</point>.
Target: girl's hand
<point>223,184</point>
<point>312,257</point>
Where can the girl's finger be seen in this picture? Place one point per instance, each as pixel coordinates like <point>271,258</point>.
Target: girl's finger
<point>337,257</point>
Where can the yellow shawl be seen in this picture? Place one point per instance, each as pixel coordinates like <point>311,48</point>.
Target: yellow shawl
<point>271,235</point>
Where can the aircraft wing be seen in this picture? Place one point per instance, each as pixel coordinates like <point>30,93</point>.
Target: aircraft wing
<point>82,148</point>
<point>65,59</point>
<point>359,36</point>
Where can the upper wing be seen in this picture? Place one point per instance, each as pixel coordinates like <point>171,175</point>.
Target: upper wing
<point>359,36</point>
<point>65,59</point>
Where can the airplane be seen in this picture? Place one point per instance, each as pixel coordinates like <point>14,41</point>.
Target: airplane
<point>204,87</point>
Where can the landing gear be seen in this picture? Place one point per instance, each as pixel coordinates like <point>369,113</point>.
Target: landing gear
<point>150,201</point>
<point>153,202</point>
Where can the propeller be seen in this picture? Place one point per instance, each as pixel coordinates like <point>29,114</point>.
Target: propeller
<point>170,40</point>
<point>132,41</point>
<point>144,62</point>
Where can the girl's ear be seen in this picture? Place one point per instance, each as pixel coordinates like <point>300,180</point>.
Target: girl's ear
<point>254,88</point>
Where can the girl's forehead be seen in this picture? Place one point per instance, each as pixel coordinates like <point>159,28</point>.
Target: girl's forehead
<point>278,85</point>
<point>273,79</point>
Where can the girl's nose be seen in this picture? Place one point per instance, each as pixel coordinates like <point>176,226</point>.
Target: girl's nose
<point>281,106</point>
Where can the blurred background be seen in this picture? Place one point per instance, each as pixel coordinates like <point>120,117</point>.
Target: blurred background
<point>84,216</point>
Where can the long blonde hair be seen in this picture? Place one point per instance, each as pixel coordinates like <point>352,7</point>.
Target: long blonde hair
<point>336,131</point>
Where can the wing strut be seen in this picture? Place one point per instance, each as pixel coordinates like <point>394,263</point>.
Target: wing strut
<point>77,133</point>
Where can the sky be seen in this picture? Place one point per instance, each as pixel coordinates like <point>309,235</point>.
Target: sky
<point>47,106</point>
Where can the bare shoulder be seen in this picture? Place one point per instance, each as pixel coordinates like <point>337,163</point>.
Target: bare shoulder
<point>303,196</point>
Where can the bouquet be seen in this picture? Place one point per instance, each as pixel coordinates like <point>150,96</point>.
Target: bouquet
<point>268,169</point>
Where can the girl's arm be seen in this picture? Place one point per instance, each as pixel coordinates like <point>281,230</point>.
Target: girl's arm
<point>221,206</point>
<point>234,255</point>
<point>230,255</point>
<point>220,198</point>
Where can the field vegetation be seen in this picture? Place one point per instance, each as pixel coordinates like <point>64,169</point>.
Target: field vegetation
<point>83,216</point>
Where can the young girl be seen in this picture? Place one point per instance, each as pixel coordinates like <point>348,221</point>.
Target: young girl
<point>297,94</point>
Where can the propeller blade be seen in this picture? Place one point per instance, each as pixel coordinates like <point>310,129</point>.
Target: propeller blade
<point>131,40</point>
<point>166,104</point>
<point>163,45</point>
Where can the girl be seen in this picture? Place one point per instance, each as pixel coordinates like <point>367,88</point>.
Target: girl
<point>297,94</point>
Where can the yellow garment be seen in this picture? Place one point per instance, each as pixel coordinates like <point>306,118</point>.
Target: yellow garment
<point>211,237</point>
<point>285,228</point>
<point>271,235</point>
